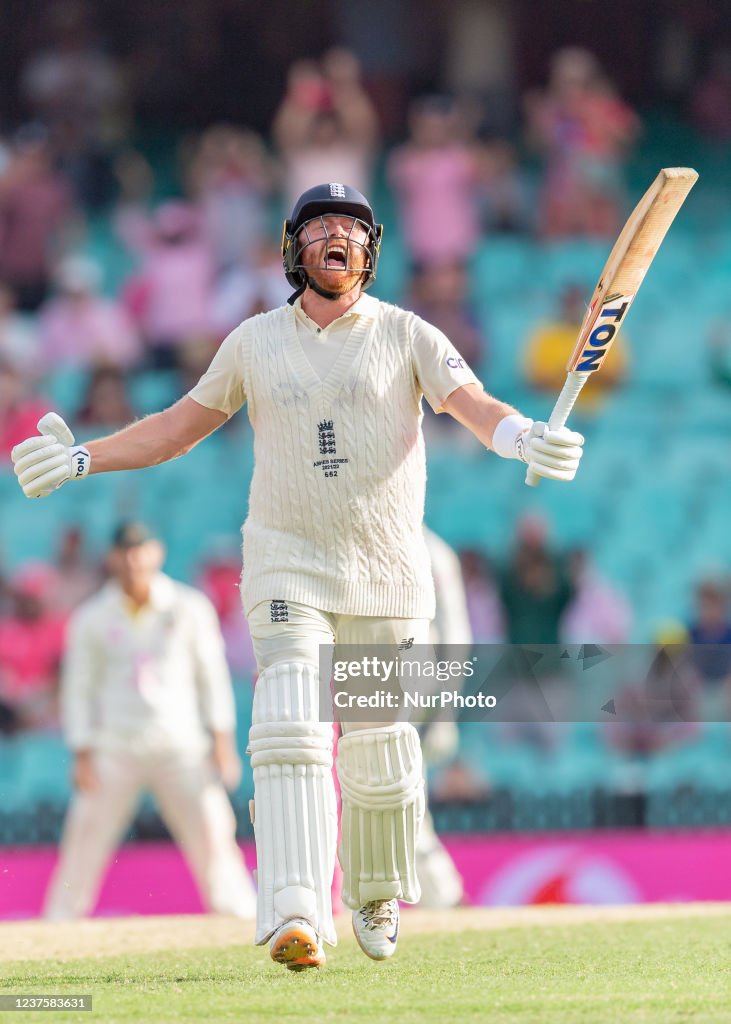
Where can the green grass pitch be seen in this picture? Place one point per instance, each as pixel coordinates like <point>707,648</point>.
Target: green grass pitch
<point>559,971</point>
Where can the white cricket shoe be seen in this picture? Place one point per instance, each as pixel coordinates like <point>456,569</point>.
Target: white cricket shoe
<point>376,928</point>
<point>297,945</point>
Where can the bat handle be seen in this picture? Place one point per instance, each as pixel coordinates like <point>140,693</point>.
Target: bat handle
<point>561,411</point>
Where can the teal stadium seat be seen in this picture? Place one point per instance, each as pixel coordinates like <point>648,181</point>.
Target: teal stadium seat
<point>44,767</point>
<point>12,794</point>
<point>154,390</point>
<point>503,269</point>
<point>697,765</point>
<point>64,389</point>
<point>571,262</point>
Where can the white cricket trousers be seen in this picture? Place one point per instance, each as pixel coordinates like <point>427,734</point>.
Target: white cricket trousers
<point>192,803</point>
<point>287,631</point>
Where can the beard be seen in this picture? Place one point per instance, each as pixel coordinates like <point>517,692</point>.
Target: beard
<point>338,280</point>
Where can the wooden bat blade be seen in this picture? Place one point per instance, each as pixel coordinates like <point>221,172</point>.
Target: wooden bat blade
<point>628,262</point>
<point>623,273</point>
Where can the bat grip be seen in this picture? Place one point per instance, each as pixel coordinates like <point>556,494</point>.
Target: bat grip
<point>561,411</point>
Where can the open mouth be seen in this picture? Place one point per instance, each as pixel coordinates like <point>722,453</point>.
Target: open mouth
<point>336,259</point>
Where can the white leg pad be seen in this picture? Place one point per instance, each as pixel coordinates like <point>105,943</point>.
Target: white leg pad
<point>382,793</point>
<point>295,812</point>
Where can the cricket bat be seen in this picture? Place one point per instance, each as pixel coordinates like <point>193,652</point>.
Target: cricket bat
<point>618,284</point>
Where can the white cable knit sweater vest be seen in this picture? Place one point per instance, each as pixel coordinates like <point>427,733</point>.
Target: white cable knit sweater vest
<point>337,496</point>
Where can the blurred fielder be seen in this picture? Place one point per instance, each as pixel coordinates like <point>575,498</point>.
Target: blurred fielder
<point>333,549</point>
<point>147,705</point>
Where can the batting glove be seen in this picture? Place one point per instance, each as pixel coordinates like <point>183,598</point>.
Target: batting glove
<point>551,453</point>
<point>554,454</point>
<point>42,464</point>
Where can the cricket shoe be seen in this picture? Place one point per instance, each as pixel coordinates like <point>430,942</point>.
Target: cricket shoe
<point>376,928</point>
<point>297,945</point>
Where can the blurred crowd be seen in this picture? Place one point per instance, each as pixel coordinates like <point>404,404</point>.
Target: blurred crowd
<point>195,241</point>
<point>201,247</point>
<point>663,693</point>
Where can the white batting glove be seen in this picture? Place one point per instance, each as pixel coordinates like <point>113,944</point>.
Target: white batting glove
<point>551,453</point>
<point>42,464</point>
<point>554,454</point>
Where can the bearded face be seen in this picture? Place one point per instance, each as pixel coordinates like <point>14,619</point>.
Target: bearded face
<point>333,251</point>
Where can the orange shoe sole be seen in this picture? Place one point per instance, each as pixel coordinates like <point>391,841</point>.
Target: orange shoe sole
<point>295,950</point>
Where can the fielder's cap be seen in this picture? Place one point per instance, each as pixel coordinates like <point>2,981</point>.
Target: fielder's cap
<point>131,535</point>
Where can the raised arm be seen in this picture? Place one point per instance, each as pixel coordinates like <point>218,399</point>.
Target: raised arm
<point>157,438</point>
<point>45,462</point>
<point>479,412</point>
<point>551,453</point>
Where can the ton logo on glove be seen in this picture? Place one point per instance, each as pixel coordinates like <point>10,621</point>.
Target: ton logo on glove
<point>42,464</point>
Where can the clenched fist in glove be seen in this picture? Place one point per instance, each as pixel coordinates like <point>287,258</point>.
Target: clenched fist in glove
<point>44,463</point>
<point>554,454</point>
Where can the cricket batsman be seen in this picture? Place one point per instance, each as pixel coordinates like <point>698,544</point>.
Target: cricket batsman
<point>333,551</point>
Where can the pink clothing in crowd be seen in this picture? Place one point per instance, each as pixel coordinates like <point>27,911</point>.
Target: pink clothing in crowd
<point>32,209</point>
<point>436,190</point>
<point>597,614</point>
<point>19,344</point>
<point>484,611</point>
<point>17,424</point>
<point>170,296</point>
<point>220,582</point>
<point>81,332</point>
<point>175,293</point>
<point>30,654</point>
<point>311,165</point>
<point>235,217</point>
